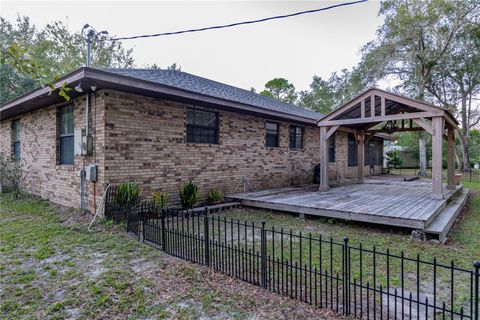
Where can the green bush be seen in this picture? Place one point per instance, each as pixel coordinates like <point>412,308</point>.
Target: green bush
<point>188,195</point>
<point>128,194</point>
<point>160,199</point>
<point>393,159</point>
<point>215,196</point>
<point>11,174</point>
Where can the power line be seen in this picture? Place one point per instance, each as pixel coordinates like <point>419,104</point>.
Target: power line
<point>239,23</point>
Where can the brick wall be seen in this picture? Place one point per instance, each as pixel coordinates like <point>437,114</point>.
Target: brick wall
<point>39,153</point>
<point>142,139</point>
<point>145,140</point>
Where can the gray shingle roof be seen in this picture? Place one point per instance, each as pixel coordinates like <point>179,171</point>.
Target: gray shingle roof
<point>190,82</point>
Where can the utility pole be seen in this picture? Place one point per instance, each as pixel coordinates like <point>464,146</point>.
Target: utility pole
<point>90,35</point>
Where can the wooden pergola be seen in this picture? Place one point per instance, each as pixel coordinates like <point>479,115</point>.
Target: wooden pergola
<point>378,111</point>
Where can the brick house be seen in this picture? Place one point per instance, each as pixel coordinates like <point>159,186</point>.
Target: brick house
<point>161,128</point>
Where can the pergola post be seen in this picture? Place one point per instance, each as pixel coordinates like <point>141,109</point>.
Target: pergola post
<point>323,160</point>
<point>451,158</point>
<point>361,155</point>
<point>437,123</point>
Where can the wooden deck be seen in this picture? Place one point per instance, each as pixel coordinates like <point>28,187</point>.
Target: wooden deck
<point>386,200</point>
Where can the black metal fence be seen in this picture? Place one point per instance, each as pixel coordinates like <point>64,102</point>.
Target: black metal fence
<point>351,280</point>
<point>472,176</point>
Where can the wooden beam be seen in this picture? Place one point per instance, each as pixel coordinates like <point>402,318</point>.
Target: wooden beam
<point>451,159</point>
<point>331,131</point>
<point>362,109</point>
<point>368,137</point>
<point>323,160</point>
<point>382,101</point>
<point>413,115</point>
<point>424,125</point>
<point>361,156</point>
<point>437,192</point>
<point>396,130</point>
<point>346,106</point>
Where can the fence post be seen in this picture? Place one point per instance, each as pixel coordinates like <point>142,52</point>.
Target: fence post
<point>206,236</point>
<point>346,277</point>
<point>162,220</point>
<point>263,255</point>
<point>475,298</point>
<point>141,229</point>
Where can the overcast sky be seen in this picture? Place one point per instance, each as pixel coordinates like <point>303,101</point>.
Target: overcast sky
<point>246,56</point>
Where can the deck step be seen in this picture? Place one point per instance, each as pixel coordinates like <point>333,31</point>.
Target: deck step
<point>443,222</point>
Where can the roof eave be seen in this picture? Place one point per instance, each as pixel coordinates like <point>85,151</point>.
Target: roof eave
<point>141,85</point>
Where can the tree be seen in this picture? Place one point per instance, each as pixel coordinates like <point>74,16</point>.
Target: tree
<point>280,89</point>
<point>415,39</point>
<point>325,95</point>
<point>175,67</point>
<point>33,57</point>
<point>456,82</point>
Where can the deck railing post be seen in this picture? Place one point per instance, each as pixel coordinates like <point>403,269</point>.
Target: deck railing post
<point>206,238</point>
<point>476,294</point>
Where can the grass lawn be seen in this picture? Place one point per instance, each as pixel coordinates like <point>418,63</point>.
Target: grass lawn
<point>463,246</point>
<point>52,267</point>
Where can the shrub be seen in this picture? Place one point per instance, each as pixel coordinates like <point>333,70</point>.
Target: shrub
<point>12,174</point>
<point>393,159</point>
<point>160,199</point>
<point>128,194</point>
<point>188,195</point>
<point>215,196</point>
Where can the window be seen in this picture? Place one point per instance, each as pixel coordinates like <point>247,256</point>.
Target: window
<point>373,152</point>
<point>66,135</point>
<point>202,126</point>
<point>352,151</point>
<point>331,149</point>
<point>271,134</point>
<point>16,139</point>
<point>296,137</point>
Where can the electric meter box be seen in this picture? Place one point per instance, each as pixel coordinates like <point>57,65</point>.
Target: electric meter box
<point>91,173</point>
<point>80,143</point>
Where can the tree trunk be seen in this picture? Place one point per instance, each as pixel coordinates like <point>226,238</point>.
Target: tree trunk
<point>464,133</point>
<point>422,154</point>
<point>457,160</point>
<point>422,150</point>
<point>465,152</point>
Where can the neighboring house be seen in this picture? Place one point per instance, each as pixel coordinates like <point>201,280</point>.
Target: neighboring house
<point>161,128</point>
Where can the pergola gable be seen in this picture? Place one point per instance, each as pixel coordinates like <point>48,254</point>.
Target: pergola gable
<point>376,106</point>
<point>357,113</point>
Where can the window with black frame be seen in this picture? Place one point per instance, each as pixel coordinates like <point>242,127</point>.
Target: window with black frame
<point>331,148</point>
<point>16,139</point>
<point>296,137</point>
<point>271,134</point>
<point>352,151</point>
<point>66,139</point>
<point>202,126</point>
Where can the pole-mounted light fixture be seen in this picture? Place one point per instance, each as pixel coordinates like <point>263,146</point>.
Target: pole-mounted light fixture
<point>91,36</point>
